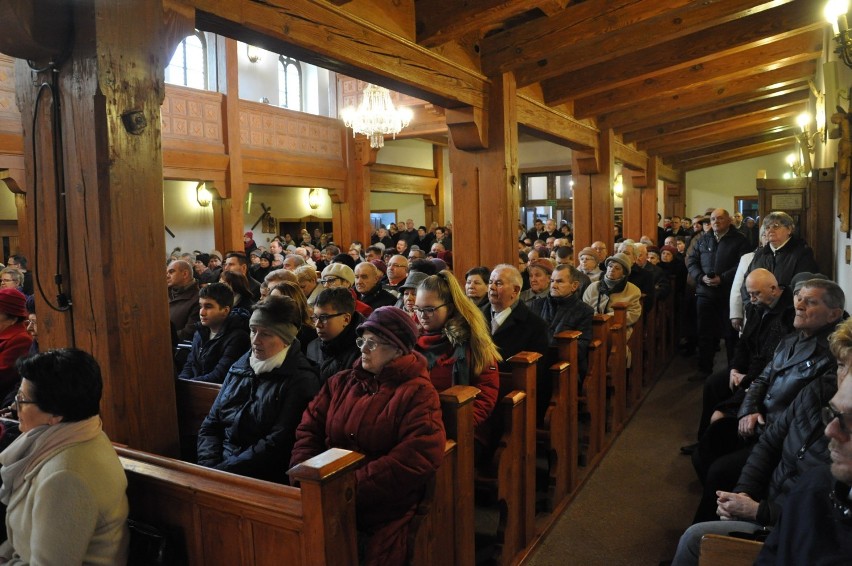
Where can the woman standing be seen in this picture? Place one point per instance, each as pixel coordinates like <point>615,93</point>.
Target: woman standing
<point>63,484</point>
<point>385,408</point>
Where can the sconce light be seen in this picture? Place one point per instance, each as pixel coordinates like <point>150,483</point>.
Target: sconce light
<point>835,12</point>
<point>314,199</point>
<point>800,163</point>
<point>618,187</point>
<point>202,195</point>
<point>253,53</point>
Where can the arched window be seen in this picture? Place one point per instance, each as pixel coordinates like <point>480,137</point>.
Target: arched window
<point>188,66</point>
<point>289,83</point>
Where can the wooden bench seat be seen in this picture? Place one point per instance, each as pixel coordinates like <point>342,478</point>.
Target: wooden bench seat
<point>720,550</point>
<point>194,399</point>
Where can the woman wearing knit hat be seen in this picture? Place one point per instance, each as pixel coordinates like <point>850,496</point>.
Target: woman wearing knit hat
<point>15,341</point>
<point>539,270</point>
<point>457,345</point>
<point>386,408</point>
<point>251,427</point>
<point>615,288</point>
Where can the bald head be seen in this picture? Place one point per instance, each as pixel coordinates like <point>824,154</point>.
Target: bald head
<point>762,287</point>
<point>720,221</point>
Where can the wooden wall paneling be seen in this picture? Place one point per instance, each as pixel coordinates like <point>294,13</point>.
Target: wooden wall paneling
<point>113,182</point>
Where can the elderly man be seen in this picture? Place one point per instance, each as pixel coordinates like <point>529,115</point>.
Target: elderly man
<point>368,284</point>
<point>514,328</point>
<point>336,320</point>
<point>183,298</point>
<point>601,250</point>
<point>238,263</point>
<point>293,261</point>
<point>341,275</point>
<point>712,264</point>
<point>799,358</point>
<point>397,272</point>
<point>564,309</point>
<point>409,234</point>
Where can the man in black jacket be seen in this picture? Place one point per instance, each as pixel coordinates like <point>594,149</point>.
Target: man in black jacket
<point>712,263</point>
<point>221,337</point>
<point>368,285</point>
<point>335,318</point>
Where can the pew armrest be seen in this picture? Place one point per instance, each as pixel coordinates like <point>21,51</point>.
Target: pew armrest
<point>322,467</point>
<point>720,550</point>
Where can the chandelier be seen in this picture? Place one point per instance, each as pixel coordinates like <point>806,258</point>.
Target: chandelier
<point>376,117</point>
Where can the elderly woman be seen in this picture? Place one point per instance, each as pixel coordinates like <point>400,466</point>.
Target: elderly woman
<point>63,484</point>
<point>15,341</point>
<point>408,294</point>
<point>386,408</point>
<point>540,271</point>
<point>476,285</point>
<point>11,278</point>
<point>251,426</point>
<point>457,345</point>
<point>615,288</point>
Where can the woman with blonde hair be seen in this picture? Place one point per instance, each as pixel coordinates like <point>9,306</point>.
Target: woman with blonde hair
<point>307,332</point>
<point>457,344</point>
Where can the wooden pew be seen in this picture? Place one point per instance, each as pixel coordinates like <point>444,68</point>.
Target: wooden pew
<point>637,361</point>
<point>447,511</point>
<point>617,368</point>
<point>595,387</point>
<point>720,550</point>
<point>650,339</point>
<point>562,418</point>
<point>215,518</point>
<point>512,467</point>
<point>194,399</point>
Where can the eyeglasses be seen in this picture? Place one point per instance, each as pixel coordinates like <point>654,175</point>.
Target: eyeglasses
<point>329,280</point>
<point>428,311</point>
<point>19,400</point>
<point>7,281</point>
<point>829,414</point>
<point>369,343</point>
<point>324,318</point>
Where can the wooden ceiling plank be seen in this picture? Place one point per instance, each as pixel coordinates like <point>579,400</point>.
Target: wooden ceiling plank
<point>726,146</point>
<point>759,59</point>
<point>701,99</point>
<point>769,118</point>
<point>729,112</point>
<point>322,34</point>
<point>779,130</point>
<point>440,21</point>
<point>545,57</point>
<point>734,155</point>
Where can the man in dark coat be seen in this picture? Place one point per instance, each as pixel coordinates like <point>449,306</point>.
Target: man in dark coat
<point>221,337</point>
<point>712,264</point>
<point>183,298</point>
<point>514,328</point>
<point>336,320</point>
<point>368,285</point>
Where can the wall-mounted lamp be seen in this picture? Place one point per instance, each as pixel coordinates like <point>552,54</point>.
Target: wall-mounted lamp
<point>835,12</point>
<point>202,195</point>
<point>313,199</point>
<point>253,53</point>
<point>618,187</point>
<point>800,163</point>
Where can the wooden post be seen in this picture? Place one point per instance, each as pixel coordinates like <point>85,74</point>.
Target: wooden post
<point>485,180</point>
<point>593,200</point>
<point>229,211</point>
<point>111,89</point>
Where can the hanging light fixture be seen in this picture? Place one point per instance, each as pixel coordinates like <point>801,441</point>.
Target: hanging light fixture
<point>202,195</point>
<point>376,116</point>
<point>313,199</point>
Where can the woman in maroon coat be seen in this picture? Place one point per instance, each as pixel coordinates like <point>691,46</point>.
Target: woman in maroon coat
<point>386,408</point>
<point>15,341</point>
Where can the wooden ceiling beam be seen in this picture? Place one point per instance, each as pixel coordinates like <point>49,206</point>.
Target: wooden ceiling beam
<point>440,21</point>
<point>739,144</point>
<point>759,59</point>
<point>666,172</point>
<point>645,132</point>
<point>330,37</point>
<point>779,130</point>
<point>598,30</point>
<point>767,118</point>
<point>701,99</point>
<point>731,156</point>
<point>555,126</point>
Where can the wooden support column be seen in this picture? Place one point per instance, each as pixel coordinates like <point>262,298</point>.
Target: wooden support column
<point>631,205</point>
<point>486,203</point>
<point>350,211</point>
<point>435,212</point>
<point>111,89</point>
<point>593,201</point>
<point>229,212</point>
<point>650,201</point>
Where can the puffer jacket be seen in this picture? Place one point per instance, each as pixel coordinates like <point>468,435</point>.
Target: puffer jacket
<point>568,313</point>
<point>393,418</point>
<point>721,258</point>
<point>783,378</point>
<point>792,258</point>
<point>602,303</point>
<point>251,427</point>
<point>210,359</point>
<point>794,444</point>
<point>338,354</point>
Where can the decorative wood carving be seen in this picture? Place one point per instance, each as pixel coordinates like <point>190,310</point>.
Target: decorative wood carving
<point>192,115</point>
<point>10,117</point>
<point>278,129</point>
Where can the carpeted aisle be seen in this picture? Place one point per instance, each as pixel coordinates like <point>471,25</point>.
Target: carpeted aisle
<point>644,493</point>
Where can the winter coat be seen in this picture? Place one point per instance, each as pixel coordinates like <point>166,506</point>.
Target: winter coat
<point>338,354</point>
<point>602,303</point>
<point>792,258</point>
<point>522,331</point>
<point>183,310</point>
<point>568,313</point>
<point>794,444</point>
<point>209,360</point>
<point>251,426</point>
<point>377,297</point>
<point>645,282</point>
<point>15,342</point>
<point>720,258</point>
<point>785,376</point>
<point>394,420</point>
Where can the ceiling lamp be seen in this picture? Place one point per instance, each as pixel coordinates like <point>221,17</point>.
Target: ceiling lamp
<point>376,116</point>
<point>835,12</point>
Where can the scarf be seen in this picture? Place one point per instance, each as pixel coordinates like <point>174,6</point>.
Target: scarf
<point>35,446</point>
<point>265,366</point>
<point>609,286</point>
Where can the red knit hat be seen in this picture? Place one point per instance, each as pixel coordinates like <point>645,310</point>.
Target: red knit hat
<point>13,303</point>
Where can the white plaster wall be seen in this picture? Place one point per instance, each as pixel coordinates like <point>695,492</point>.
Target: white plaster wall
<point>191,224</point>
<point>8,211</point>
<point>541,153</point>
<point>287,203</point>
<point>406,206</point>
<point>715,187</point>
<point>406,153</point>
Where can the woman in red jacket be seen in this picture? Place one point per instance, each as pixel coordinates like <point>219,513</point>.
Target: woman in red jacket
<point>457,345</point>
<point>15,341</point>
<point>385,408</point>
